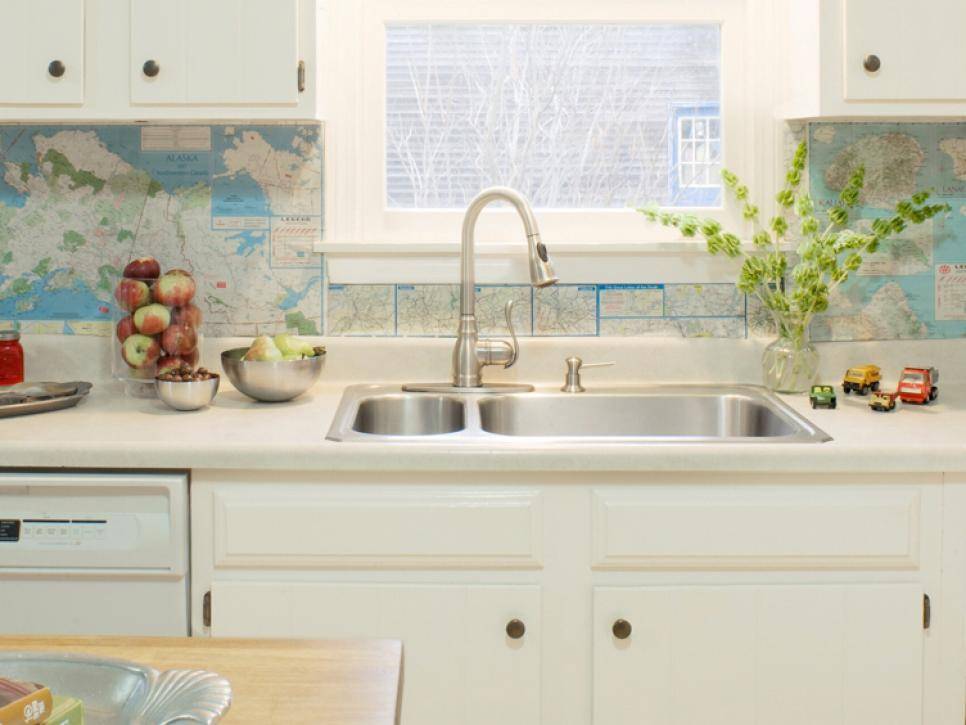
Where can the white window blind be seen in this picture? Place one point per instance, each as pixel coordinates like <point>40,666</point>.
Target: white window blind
<point>576,115</point>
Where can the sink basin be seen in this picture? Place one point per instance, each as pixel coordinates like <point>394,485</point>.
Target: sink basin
<point>681,415</point>
<point>409,415</point>
<point>654,414</point>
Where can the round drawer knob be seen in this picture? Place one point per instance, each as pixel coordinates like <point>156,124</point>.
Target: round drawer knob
<point>515,629</point>
<point>871,63</point>
<point>151,68</point>
<point>56,69</point>
<point>621,629</point>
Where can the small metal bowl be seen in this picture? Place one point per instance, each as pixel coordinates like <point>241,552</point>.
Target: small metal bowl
<point>192,395</point>
<point>271,382</point>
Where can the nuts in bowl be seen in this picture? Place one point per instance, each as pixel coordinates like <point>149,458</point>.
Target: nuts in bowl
<point>184,388</point>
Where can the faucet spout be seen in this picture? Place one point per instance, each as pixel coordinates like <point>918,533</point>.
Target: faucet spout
<point>541,270</point>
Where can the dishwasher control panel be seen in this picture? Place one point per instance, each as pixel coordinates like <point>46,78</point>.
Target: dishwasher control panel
<point>75,532</point>
<point>95,522</point>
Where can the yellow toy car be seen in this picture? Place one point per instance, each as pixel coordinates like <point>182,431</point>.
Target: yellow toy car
<point>882,401</point>
<point>861,379</point>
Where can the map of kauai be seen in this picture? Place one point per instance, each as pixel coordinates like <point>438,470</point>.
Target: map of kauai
<point>895,293</point>
<point>238,206</point>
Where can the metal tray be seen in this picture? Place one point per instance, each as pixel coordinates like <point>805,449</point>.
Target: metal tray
<point>29,398</point>
<point>116,691</point>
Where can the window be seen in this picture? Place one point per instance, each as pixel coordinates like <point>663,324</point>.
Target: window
<point>576,116</point>
<point>696,156</point>
<point>588,108</point>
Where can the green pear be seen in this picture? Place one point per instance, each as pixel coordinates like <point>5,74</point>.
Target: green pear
<point>292,356</point>
<point>263,349</point>
<point>293,345</point>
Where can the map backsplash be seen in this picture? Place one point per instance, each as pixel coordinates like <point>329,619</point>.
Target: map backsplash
<point>240,205</point>
<point>915,286</point>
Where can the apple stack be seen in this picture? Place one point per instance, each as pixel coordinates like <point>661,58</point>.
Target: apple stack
<point>158,332</point>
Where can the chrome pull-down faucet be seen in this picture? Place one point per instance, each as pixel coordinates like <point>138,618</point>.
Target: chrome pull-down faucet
<point>471,353</point>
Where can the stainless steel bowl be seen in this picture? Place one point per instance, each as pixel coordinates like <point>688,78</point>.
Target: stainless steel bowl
<point>191,395</point>
<point>271,382</point>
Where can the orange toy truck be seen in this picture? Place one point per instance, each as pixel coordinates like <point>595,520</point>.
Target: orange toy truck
<point>918,385</point>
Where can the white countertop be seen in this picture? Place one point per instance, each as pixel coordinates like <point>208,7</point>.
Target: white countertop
<point>111,430</point>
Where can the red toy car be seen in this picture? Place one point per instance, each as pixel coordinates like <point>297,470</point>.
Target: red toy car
<point>918,385</point>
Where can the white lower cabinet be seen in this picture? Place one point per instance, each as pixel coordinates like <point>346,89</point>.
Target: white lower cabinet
<point>758,655</point>
<point>607,598</point>
<point>471,653</point>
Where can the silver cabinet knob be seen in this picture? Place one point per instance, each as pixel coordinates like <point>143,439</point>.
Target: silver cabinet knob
<point>871,63</point>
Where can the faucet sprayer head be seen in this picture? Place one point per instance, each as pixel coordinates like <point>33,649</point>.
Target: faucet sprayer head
<point>541,270</point>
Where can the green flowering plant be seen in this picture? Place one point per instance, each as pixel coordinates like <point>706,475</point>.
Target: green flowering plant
<point>827,254</point>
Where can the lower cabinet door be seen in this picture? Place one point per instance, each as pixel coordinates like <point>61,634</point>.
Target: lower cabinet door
<point>464,662</point>
<point>758,655</point>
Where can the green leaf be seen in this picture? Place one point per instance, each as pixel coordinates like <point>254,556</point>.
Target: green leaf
<point>761,239</point>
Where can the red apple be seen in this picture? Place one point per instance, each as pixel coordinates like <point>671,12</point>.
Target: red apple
<point>174,289</point>
<point>188,315</point>
<point>191,357</point>
<point>139,351</point>
<point>179,340</point>
<point>143,268</point>
<point>132,293</point>
<point>170,363</point>
<point>125,328</point>
<point>152,319</point>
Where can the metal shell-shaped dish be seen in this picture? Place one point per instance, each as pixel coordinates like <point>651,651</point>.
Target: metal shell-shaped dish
<point>116,691</point>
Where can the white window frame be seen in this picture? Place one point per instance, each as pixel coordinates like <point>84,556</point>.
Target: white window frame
<point>354,89</point>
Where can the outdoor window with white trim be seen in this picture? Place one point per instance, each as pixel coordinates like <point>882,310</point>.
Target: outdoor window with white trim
<point>589,109</point>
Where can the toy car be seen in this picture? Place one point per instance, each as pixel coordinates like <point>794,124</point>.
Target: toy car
<point>918,385</point>
<point>882,401</point>
<point>861,379</point>
<point>822,396</point>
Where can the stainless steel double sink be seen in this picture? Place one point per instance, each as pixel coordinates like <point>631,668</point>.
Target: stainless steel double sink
<point>655,414</point>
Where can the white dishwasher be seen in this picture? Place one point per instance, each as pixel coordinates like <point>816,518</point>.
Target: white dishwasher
<point>94,553</point>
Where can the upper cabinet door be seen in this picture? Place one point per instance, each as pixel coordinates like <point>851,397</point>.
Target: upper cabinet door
<point>901,51</point>
<point>217,52</point>
<point>42,52</point>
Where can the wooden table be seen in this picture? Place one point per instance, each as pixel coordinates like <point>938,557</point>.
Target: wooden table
<point>337,682</point>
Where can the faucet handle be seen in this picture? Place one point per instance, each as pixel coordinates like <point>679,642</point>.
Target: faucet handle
<point>500,352</point>
<point>574,366</point>
<point>508,311</point>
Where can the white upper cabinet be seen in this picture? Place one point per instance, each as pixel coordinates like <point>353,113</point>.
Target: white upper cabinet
<point>148,60</point>
<point>869,58</point>
<point>42,52</point>
<point>217,52</point>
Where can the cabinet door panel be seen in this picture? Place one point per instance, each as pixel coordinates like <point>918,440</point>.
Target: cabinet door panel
<point>37,32</point>
<point>460,666</point>
<point>216,52</point>
<point>921,50</point>
<point>157,33</point>
<point>798,655</point>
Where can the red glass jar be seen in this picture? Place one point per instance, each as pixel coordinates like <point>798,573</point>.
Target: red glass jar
<point>11,358</point>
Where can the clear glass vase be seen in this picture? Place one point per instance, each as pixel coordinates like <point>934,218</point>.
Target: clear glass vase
<point>790,363</point>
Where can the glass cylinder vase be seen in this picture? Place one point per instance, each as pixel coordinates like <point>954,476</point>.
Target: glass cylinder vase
<point>790,363</point>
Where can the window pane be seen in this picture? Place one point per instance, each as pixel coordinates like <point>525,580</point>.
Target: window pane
<point>575,116</point>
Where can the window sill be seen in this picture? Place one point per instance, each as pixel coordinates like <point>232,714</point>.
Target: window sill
<point>613,263</point>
